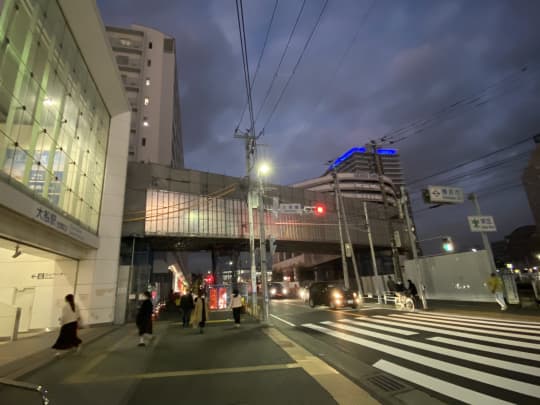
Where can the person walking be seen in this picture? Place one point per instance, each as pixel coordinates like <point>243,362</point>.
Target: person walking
<point>200,314</point>
<point>495,285</point>
<point>186,305</point>
<point>236,305</point>
<point>391,284</point>
<point>412,289</point>
<point>144,319</point>
<point>69,320</point>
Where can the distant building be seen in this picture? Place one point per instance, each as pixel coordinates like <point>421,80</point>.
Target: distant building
<point>358,176</point>
<point>146,59</point>
<point>531,182</point>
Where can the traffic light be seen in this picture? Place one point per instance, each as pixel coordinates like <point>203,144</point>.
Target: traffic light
<point>447,244</point>
<point>319,209</point>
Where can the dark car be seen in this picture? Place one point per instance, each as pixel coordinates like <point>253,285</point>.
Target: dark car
<point>332,294</point>
<point>277,290</point>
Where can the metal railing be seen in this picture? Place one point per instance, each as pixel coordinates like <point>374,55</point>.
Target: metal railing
<point>40,389</point>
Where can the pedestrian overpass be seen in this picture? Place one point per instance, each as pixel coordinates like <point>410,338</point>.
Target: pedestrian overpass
<point>188,210</point>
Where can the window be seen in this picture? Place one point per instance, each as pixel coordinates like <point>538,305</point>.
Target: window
<point>148,63</point>
<point>146,101</point>
<point>125,42</point>
<point>147,82</point>
<point>150,45</point>
<point>145,122</point>
<point>143,141</point>
<point>122,60</point>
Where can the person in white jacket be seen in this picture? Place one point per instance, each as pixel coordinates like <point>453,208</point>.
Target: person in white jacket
<point>70,321</point>
<point>236,305</point>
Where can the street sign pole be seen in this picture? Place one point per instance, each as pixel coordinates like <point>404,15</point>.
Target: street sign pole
<point>373,258</point>
<point>412,240</point>
<point>485,239</point>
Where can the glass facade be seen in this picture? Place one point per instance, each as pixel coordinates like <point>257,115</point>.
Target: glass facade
<point>54,125</point>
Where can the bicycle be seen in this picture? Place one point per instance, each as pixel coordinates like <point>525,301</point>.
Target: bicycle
<point>404,301</point>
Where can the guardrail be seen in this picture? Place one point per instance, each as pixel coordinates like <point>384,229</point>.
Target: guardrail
<point>39,389</point>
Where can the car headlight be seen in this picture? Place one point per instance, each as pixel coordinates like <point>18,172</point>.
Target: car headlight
<point>285,291</point>
<point>273,291</point>
<point>338,296</point>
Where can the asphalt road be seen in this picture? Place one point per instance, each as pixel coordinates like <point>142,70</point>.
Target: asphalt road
<point>451,358</point>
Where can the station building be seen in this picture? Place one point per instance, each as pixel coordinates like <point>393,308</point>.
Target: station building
<point>64,137</point>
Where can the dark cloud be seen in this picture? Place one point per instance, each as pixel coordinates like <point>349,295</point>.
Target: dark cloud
<point>411,59</point>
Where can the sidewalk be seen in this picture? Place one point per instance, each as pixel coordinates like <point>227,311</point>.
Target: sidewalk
<point>252,364</point>
<point>27,354</point>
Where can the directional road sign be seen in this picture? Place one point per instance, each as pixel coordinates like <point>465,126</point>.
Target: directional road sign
<point>291,208</point>
<point>444,194</point>
<point>484,223</point>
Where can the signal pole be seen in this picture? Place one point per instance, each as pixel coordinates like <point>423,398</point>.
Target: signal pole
<point>379,171</point>
<point>337,193</point>
<point>485,239</point>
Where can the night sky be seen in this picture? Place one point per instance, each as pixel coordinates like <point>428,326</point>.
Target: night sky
<point>456,80</point>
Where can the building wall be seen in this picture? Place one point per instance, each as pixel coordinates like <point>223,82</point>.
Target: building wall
<point>78,81</point>
<point>531,182</point>
<point>151,84</point>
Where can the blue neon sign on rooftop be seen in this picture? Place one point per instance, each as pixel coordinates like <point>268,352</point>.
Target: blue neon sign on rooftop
<point>354,150</point>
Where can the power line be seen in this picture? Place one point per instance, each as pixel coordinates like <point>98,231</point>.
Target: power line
<point>281,60</point>
<point>476,100</point>
<point>260,58</point>
<point>513,145</point>
<point>245,62</point>
<point>308,41</point>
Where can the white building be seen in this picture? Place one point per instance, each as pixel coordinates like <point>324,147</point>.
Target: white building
<point>64,136</point>
<point>146,59</point>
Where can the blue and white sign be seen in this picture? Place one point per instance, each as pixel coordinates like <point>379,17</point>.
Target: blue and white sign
<point>444,194</point>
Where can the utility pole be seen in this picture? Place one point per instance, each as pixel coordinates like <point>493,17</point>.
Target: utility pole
<point>373,258</point>
<point>262,252</point>
<point>379,171</point>
<point>250,151</point>
<point>485,239</point>
<point>412,240</point>
<point>349,241</point>
<point>337,193</point>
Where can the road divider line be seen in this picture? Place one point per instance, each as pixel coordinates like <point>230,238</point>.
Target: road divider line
<point>444,366</point>
<point>485,348</point>
<point>283,320</point>
<point>450,390</point>
<point>473,358</point>
<point>343,390</point>
<point>442,331</point>
<point>472,324</point>
<point>463,328</point>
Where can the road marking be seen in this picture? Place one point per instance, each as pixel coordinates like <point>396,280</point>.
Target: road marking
<point>473,358</point>
<point>450,390</point>
<point>458,334</point>
<point>379,327</point>
<point>184,373</point>
<point>376,309</point>
<point>343,390</point>
<point>491,349</point>
<point>472,374</point>
<point>523,324</point>
<point>283,320</point>
<point>473,323</point>
<point>490,332</point>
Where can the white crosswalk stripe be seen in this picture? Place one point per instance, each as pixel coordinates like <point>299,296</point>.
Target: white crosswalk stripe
<point>457,359</point>
<point>476,319</point>
<point>442,331</point>
<point>527,334</point>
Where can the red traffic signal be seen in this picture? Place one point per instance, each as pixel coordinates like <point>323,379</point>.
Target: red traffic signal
<point>320,209</point>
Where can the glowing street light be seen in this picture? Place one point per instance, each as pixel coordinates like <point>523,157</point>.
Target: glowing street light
<point>264,169</point>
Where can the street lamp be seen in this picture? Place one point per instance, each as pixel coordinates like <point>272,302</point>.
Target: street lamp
<point>263,170</point>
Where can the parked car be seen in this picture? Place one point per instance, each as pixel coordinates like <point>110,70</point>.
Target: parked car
<point>332,294</point>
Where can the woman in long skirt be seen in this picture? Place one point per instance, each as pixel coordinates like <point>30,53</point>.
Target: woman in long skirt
<point>144,319</point>
<point>68,332</point>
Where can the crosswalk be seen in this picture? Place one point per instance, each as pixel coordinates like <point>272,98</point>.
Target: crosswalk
<point>469,359</point>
